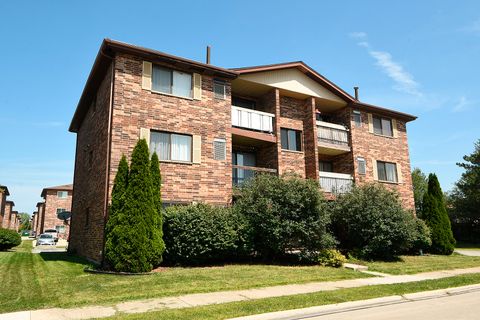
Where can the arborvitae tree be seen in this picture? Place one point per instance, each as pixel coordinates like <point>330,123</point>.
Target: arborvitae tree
<point>115,215</point>
<point>158,246</point>
<point>420,185</point>
<point>434,213</point>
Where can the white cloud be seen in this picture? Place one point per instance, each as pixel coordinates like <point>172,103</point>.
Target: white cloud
<point>463,104</point>
<point>404,81</point>
<point>474,27</point>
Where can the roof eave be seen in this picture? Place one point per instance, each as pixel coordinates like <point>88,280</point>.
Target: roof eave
<point>396,114</point>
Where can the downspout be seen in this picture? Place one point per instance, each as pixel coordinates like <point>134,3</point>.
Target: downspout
<point>108,157</point>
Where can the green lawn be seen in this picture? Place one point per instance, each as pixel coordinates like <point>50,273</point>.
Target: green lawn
<point>34,281</point>
<point>425,263</point>
<point>238,309</point>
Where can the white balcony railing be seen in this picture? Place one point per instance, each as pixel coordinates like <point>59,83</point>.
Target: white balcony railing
<point>252,119</point>
<point>335,182</point>
<point>332,133</point>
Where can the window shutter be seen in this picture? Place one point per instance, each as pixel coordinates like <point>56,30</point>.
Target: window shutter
<point>219,149</point>
<point>399,173</point>
<point>145,134</point>
<point>394,128</point>
<point>197,86</point>
<point>375,171</point>
<point>197,149</point>
<point>147,75</point>
<point>370,123</point>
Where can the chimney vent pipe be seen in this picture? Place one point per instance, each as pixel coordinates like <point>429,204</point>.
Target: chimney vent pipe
<point>356,92</point>
<point>208,54</point>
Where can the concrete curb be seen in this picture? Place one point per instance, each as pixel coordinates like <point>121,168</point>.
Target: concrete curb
<point>358,305</point>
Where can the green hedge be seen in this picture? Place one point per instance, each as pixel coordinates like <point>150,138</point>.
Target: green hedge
<point>370,222</point>
<point>9,239</point>
<point>201,234</point>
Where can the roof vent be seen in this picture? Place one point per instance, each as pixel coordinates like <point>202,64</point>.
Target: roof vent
<point>356,92</point>
<point>208,55</point>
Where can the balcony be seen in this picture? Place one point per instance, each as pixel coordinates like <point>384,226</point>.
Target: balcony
<point>336,183</point>
<point>252,119</point>
<point>332,138</point>
<point>241,174</point>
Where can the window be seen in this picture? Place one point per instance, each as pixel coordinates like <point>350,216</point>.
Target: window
<point>326,166</point>
<point>60,210</point>
<point>244,103</point>
<point>291,139</point>
<point>362,168</point>
<point>219,89</point>
<point>60,229</point>
<point>219,149</point>
<point>62,194</point>
<point>387,171</point>
<point>382,126</point>
<point>171,146</point>
<point>172,82</point>
<point>357,118</point>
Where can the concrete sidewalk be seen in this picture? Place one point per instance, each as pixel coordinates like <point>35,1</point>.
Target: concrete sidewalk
<point>202,299</point>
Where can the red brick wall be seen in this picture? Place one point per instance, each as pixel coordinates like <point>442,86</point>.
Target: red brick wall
<point>52,203</point>
<point>87,222</point>
<point>373,147</point>
<point>135,108</point>
<point>40,218</point>
<point>3,199</point>
<point>7,215</point>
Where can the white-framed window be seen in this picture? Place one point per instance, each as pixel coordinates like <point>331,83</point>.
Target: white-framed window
<point>387,171</point>
<point>173,82</point>
<point>382,126</point>
<point>171,146</point>
<point>60,229</point>
<point>219,89</point>
<point>357,118</point>
<point>62,194</point>
<point>219,149</point>
<point>362,165</point>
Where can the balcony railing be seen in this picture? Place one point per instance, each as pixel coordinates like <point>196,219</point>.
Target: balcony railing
<point>336,183</point>
<point>241,174</point>
<point>252,119</point>
<point>332,133</point>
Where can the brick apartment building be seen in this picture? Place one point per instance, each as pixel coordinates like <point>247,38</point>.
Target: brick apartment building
<point>7,221</point>
<point>4,193</point>
<point>214,127</point>
<point>57,199</point>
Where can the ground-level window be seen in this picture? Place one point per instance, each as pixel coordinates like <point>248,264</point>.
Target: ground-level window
<point>60,229</point>
<point>382,126</point>
<point>62,194</point>
<point>326,166</point>
<point>387,171</point>
<point>171,146</point>
<point>291,139</point>
<point>362,168</point>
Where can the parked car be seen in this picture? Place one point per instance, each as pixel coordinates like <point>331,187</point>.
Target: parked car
<point>46,239</point>
<point>53,232</point>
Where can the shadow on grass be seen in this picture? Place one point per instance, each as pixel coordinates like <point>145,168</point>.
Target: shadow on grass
<point>63,256</point>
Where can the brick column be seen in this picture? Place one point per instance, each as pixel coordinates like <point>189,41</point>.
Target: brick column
<point>310,138</point>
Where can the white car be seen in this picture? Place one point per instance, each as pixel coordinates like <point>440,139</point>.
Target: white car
<point>45,239</point>
<point>53,232</point>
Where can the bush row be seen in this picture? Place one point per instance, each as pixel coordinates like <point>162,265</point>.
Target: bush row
<point>9,239</point>
<point>275,217</point>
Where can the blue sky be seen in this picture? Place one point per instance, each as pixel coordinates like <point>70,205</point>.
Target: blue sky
<point>420,57</point>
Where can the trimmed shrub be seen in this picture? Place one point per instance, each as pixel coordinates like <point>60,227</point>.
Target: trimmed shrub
<point>435,214</point>
<point>9,239</point>
<point>204,234</point>
<point>331,258</point>
<point>286,214</point>
<point>420,238</point>
<point>371,222</point>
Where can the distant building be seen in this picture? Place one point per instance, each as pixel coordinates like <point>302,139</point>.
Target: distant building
<point>3,198</point>
<point>57,199</point>
<point>8,214</point>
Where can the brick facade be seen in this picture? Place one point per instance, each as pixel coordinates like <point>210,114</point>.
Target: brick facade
<point>55,201</point>
<point>115,109</point>
<point>3,199</point>
<point>8,214</point>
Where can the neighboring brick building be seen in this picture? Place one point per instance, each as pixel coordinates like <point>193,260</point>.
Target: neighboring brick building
<point>7,224</point>
<point>214,127</point>
<point>4,193</point>
<point>33,221</point>
<point>57,199</point>
<point>14,221</point>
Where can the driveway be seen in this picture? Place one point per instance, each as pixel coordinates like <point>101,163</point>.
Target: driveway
<point>469,252</point>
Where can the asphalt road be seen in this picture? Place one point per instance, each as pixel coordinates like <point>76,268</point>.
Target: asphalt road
<point>456,307</point>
